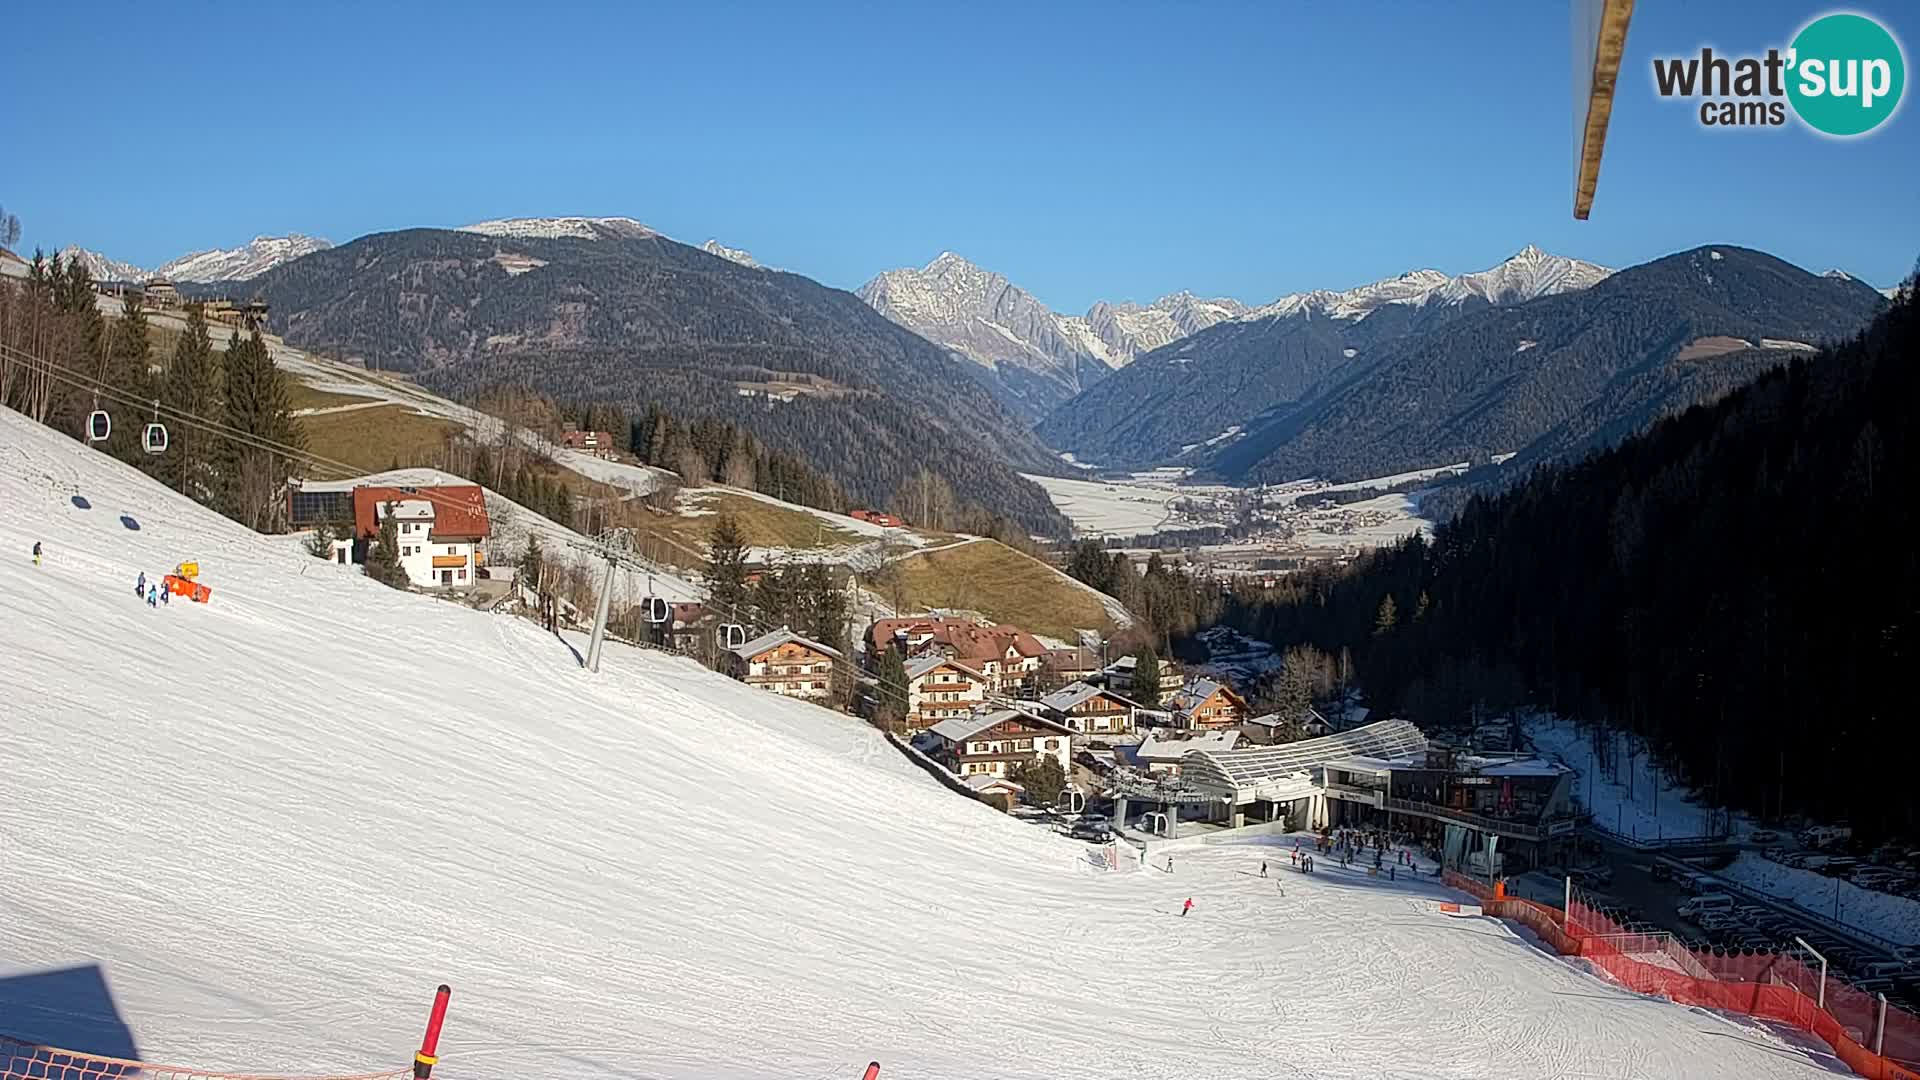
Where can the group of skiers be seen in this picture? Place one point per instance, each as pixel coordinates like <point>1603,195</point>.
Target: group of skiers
<point>152,593</point>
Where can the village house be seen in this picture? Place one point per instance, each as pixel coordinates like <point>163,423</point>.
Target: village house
<point>1269,729</point>
<point>1077,664</point>
<point>439,530</point>
<point>993,743</point>
<point>786,664</point>
<point>1205,705</point>
<point>597,443</point>
<point>1007,656</point>
<point>941,689</point>
<point>875,517</point>
<point>1161,753</point>
<point>1090,710</point>
<point>159,293</point>
<point>13,266</point>
<point>1119,675</point>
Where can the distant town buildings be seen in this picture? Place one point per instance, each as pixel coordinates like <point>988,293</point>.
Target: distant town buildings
<point>597,443</point>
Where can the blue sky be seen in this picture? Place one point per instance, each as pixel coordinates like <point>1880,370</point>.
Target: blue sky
<point>1098,150</point>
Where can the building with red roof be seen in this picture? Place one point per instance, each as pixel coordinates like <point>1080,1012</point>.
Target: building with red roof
<point>439,529</point>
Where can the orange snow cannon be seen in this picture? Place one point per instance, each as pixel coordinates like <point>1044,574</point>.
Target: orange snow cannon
<point>192,590</point>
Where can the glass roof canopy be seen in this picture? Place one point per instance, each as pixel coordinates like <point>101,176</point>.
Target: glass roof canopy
<point>1241,771</point>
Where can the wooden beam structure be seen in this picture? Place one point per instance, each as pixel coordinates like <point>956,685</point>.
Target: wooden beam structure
<point>1600,40</point>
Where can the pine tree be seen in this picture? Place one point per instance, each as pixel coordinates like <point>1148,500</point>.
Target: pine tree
<point>727,569</point>
<point>191,387</point>
<point>828,608</point>
<point>383,559</point>
<point>531,563</point>
<point>1042,778</point>
<point>891,706</point>
<point>253,472</point>
<point>1386,617</point>
<point>320,544</point>
<point>1146,678</point>
<point>125,353</point>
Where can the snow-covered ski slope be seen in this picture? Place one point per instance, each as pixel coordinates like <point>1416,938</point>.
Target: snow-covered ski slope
<point>276,821</point>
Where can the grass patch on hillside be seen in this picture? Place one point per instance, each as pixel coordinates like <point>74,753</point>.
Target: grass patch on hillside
<point>302,396</point>
<point>1000,583</point>
<point>764,524</point>
<point>372,440</point>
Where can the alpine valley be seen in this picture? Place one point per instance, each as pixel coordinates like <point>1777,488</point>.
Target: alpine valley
<point>1542,356</point>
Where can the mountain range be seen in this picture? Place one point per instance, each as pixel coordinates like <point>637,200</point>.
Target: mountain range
<point>1541,357</point>
<point>608,310</point>
<point>1204,389</point>
<point>251,259</point>
<point>953,367</point>
<point>1032,357</point>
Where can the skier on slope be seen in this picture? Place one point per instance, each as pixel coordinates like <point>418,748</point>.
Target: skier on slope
<point>1188,906</point>
<point>36,553</point>
<point>153,596</point>
<point>140,585</point>
<point>1263,868</point>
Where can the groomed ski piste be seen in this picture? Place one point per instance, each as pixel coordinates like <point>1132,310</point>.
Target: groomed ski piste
<point>275,821</point>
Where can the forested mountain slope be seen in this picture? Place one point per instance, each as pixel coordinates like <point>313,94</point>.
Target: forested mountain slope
<point>633,318</point>
<point>1739,584</point>
<point>1560,374</point>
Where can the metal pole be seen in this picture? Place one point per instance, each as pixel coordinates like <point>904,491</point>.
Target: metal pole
<point>1880,1026</point>
<point>1566,913</point>
<point>600,619</point>
<point>1802,942</point>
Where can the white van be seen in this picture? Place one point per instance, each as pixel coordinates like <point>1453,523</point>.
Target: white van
<point>1717,903</point>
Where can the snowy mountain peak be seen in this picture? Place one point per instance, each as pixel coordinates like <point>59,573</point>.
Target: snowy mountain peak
<point>735,255</point>
<point>551,228</point>
<point>101,268</point>
<point>256,257</point>
<point>1528,273</point>
<point>1040,356</point>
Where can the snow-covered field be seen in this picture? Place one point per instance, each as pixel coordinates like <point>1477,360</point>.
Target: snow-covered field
<point>1639,802</point>
<point>1097,508</point>
<point>1895,918</point>
<point>275,821</point>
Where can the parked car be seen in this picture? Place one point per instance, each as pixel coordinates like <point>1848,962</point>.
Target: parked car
<point>1763,836</point>
<point>1091,829</point>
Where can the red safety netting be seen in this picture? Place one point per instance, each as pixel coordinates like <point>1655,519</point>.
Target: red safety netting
<point>28,1061</point>
<point>1770,986</point>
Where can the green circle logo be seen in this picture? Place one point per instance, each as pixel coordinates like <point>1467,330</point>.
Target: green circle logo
<point>1846,74</point>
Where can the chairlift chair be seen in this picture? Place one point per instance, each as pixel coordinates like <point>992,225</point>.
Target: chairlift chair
<point>656,609</point>
<point>155,438</point>
<point>732,635</point>
<point>99,425</point>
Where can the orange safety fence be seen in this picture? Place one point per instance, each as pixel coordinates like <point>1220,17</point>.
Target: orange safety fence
<point>1769,986</point>
<point>27,1061</point>
<point>21,1059</point>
